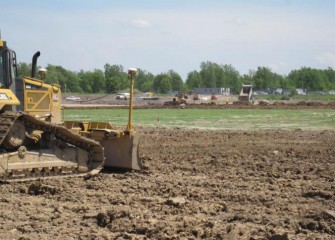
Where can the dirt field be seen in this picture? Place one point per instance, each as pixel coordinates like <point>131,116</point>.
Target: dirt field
<point>197,184</point>
<point>224,102</point>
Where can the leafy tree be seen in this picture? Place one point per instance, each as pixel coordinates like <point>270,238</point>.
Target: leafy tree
<point>278,80</point>
<point>144,81</point>
<point>162,83</point>
<point>215,75</point>
<point>116,79</point>
<point>247,78</point>
<point>210,73</point>
<point>286,83</point>
<point>308,78</point>
<point>177,83</point>
<point>113,78</point>
<point>167,82</point>
<point>194,80</point>
<point>92,82</point>
<point>263,78</point>
<point>24,69</point>
<point>84,82</point>
<point>230,78</point>
<point>165,85</point>
<point>330,75</point>
<point>69,81</point>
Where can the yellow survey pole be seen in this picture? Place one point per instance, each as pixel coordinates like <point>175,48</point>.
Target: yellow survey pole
<point>131,75</point>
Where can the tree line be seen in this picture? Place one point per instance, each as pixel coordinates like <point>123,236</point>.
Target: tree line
<point>114,78</point>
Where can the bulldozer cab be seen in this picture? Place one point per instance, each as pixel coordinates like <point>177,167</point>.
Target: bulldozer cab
<point>8,67</point>
<point>31,95</point>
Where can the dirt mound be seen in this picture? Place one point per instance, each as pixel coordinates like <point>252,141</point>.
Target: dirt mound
<point>197,185</point>
<point>331,104</point>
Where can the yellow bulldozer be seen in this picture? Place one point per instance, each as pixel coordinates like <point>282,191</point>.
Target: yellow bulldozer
<point>35,143</point>
<point>179,99</point>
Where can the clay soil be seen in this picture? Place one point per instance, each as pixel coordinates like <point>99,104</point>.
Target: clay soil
<point>196,185</point>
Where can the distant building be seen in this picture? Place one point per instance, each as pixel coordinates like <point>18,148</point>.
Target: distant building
<point>282,91</point>
<point>210,91</point>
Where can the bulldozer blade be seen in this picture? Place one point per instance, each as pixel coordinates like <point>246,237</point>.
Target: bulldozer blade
<point>122,152</point>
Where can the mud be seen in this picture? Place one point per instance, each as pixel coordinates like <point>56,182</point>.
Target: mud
<point>196,185</point>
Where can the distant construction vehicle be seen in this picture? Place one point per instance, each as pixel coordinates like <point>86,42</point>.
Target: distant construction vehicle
<point>246,93</point>
<point>195,96</point>
<point>179,99</point>
<point>213,97</point>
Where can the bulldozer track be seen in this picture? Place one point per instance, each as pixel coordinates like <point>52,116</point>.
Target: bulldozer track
<point>6,122</point>
<point>48,170</point>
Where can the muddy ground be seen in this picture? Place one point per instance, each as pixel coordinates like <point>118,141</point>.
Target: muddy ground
<point>223,102</point>
<point>197,185</point>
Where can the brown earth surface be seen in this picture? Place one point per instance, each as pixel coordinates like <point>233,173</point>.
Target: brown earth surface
<point>196,185</point>
<point>224,102</point>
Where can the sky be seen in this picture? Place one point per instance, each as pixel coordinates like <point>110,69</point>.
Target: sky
<point>160,35</point>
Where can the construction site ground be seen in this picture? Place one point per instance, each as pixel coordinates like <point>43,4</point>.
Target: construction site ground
<point>225,102</point>
<point>197,184</point>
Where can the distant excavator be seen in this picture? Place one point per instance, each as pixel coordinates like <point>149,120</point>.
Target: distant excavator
<point>35,143</point>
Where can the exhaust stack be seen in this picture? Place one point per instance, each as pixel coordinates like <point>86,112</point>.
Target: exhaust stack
<point>34,63</point>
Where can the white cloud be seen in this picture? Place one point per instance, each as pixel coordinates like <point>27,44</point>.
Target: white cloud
<point>327,59</point>
<point>141,23</point>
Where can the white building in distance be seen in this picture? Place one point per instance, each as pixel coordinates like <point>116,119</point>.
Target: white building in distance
<point>211,91</point>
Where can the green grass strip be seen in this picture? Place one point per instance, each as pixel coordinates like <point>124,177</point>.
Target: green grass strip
<point>213,119</point>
